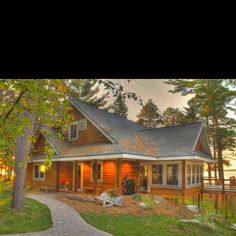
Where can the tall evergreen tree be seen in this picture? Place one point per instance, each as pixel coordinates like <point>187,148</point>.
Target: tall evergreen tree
<point>120,107</point>
<point>214,98</point>
<point>150,115</point>
<point>173,116</point>
<point>87,90</point>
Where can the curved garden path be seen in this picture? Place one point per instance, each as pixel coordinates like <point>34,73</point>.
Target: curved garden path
<point>66,221</point>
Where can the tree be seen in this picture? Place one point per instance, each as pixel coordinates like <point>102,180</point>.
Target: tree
<point>27,105</point>
<point>120,107</point>
<point>213,99</point>
<point>172,116</point>
<point>150,115</point>
<point>86,90</point>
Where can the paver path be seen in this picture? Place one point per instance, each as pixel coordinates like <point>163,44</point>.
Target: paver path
<point>66,221</point>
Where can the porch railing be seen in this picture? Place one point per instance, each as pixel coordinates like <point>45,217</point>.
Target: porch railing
<point>217,184</point>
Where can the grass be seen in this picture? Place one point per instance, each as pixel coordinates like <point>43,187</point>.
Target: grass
<point>34,217</point>
<point>128,225</point>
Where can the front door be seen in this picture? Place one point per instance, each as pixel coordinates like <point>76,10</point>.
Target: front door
<point>79,177</point>
<point>143,177</point>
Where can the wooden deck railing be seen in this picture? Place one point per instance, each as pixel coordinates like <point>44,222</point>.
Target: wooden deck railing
<point>217,184</point>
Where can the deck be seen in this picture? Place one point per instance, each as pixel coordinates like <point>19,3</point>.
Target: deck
<point>215,185</point>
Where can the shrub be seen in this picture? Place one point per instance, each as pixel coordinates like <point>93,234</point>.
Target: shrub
<point>149,200</point>
<point>112,192</point>
<point>137,197</point>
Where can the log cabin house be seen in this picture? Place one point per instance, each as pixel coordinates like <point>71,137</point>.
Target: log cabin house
<point>100,149</point>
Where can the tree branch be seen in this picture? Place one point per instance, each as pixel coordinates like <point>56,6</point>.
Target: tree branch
<point>17,100</point>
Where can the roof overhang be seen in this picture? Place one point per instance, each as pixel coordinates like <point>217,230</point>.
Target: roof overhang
<point>101,157</point>
<point>197,158</point>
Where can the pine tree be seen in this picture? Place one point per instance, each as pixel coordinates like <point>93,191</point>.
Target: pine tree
<point>173,116</point>
<point>120,107</point>
<point>212,100</point>
<point>150,115</point>
<point>87,90</point>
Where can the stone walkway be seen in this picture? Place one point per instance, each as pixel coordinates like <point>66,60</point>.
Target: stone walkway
<point>66,221</point>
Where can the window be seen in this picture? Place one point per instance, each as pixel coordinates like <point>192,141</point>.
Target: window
<point>99,171</point>
<point>194,174</point>
<point>83,124</point>
<point>157,174</point>
<point>39,172</point>
<point>188,174</point>
<point>73,130</point>
<point>172,174</point>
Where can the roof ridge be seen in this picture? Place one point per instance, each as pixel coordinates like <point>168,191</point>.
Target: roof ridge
<point>170,126</point>
<point>107,112</point>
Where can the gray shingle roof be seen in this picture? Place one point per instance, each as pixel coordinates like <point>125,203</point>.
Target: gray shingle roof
<point>132,138</point>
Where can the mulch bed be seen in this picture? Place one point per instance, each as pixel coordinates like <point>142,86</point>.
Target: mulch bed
<point>131,207</point>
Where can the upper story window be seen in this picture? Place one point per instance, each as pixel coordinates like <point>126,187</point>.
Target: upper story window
<point>83,124</point>
<point>73,130</point>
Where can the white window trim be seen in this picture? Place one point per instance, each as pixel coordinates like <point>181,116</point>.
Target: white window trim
<point>81,121</point>
<point>39,178</point>
<point>77,133</point>
<point>91,172</point>
<point>164,174</point>
<point>191,163</point>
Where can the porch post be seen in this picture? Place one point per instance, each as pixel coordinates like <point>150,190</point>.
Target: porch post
<point>73,179</point>
<point>183,177</point>
<point>95,177</point>
<point>137,176</point>
<point>118,176</point>
<point>57,176</point>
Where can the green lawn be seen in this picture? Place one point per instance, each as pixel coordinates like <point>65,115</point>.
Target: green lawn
<point>127,225</point>
<point>34,217</point>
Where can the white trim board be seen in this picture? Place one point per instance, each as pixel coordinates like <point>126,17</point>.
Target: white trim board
<point>127,156</point>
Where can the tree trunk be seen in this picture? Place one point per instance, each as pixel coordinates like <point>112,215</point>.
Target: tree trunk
<point>22,151</point>
<point>220,160</point>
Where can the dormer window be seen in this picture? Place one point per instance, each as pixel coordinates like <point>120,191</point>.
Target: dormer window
<point>73,130</point>
<point>83,124</point>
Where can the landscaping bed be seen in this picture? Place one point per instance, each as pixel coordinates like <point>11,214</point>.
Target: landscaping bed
<point>131,207</point>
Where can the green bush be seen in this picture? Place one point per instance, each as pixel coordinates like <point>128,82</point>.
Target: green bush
<point>149,200</point>
<point>137,197</point>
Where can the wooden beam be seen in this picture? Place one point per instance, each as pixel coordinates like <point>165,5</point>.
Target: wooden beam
<point>137,176</point>
<point>95,177</point>
<point>58,176</point>
<point>183,177</point>
<point>73,177</point>
<point>118,176</point>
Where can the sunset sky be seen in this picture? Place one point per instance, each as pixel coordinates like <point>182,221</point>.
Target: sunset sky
<point>157,90</point>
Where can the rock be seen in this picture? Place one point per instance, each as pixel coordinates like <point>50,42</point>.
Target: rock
<point>233,226</point>
<point>143,204</point>
<point>191,221</point>
<point>159,199</point>
<point>193,208</point>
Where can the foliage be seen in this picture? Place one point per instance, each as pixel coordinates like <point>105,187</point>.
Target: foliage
<point>112,192</point>
<point>34,217</point>
<point>173,116</point>
<point>211,101</point>
<point>120,107</point>
<point>149,200</point>
<point>137,197</point>
<point>150,115</point>
<point>86,90</point>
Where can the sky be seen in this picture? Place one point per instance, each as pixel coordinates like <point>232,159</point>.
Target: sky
<point>157,90</point>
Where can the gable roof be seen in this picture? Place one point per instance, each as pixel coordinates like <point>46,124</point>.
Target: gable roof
<point>129,137</point>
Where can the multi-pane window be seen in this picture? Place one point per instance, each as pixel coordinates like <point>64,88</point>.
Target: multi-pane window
<point>83,124</point>
<point>73,130</point>
<point>172,174</point>
<point>157,174</point>
<point>188,174</point>
<point>194,174</point>
<point>39,172</point>
<point>99,171</point>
